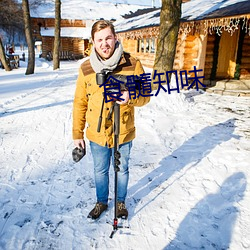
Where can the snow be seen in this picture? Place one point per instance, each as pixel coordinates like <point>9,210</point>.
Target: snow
<point>145,20</point>
<point>84,33</point>
<point>156,3</point>
<point>192,10</point>
<point>86,10</point>
<point>189,170</point>
<point>196,9</point>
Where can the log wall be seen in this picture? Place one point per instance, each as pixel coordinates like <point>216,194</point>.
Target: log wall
<point>50,22</point>
<point>187,51</point>
<point>131,46</point>
<point>73,45</point>
<point>190,52</point>
<point>245,60</point>
<point>209,56</point>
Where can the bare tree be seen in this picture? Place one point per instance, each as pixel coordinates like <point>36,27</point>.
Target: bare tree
<point>11,23</point>
<point>3,57</point>
<point>36,3</point>
<point>168,34</point>
<point>28,33</point>
<point>11,16</point>
<point>56,59</point>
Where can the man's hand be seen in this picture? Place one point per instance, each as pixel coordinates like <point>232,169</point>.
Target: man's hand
<point>79,151</point>
<point>125,96</point>
<point>79,143</point>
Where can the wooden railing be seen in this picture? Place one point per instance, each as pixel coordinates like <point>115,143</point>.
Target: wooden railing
<point>63,55</point>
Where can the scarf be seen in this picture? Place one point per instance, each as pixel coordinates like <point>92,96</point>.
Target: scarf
<point>110,64</point>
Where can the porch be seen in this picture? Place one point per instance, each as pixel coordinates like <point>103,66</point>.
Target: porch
<point>231,87</point>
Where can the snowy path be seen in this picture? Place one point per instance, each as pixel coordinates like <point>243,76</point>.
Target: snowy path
<point>189,171</point>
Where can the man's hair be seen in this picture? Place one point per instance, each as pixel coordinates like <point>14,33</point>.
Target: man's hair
<point>100,25</point>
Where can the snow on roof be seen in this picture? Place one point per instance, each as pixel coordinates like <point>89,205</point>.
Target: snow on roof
<point>85,10</point>
<point>192,10</point>
<point>145,20</point>
<point>80,32</point>
<point>197,9</point>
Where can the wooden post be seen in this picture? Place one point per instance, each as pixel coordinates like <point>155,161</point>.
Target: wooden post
<point>201,55</point>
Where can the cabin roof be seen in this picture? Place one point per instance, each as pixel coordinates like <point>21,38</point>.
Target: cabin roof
<point>85,10</point>
<point>193,10</point>
<point>208,9</point>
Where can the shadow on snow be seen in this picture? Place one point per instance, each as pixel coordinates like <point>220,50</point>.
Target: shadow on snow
<point>23,110</point>
<point>209,225</point>
<point>190,153</point>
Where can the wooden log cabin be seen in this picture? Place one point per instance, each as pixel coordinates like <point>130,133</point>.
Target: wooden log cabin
<point>218,42</point>
<point>77,19</point>
<point>74,37</point>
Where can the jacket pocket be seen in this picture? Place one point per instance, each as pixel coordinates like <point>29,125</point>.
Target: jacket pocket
<point>127,120</point>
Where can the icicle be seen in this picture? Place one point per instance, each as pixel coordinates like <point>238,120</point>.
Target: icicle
<point>209,26</point>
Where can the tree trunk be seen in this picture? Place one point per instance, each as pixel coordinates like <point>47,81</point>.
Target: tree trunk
<point>3,57</point>
<point>56,59</point>
<point>168,35</point>
<point>29,38</point>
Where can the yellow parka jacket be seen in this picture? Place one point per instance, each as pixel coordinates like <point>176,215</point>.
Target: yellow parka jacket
<point>88,101</point>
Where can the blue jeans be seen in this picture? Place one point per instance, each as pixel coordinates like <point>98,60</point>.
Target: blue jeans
<point>102,158</point>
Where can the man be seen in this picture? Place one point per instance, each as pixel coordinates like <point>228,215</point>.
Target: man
<point>107,54</point>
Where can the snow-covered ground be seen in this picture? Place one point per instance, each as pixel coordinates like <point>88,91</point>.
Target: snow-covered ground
<point>189,170</point>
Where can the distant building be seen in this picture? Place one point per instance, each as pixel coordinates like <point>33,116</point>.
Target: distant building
<point>74,36</point>
<point>77,19</point>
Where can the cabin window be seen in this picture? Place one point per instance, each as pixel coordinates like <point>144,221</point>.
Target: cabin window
<point>152,45</point>
<point>138,45</point>
<point>146,45</point>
